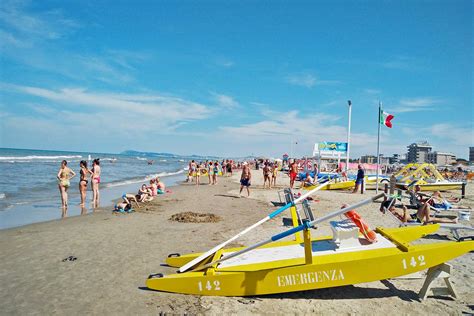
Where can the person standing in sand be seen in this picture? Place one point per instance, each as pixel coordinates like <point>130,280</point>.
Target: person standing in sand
<point>245,179</point>
<point>84,176</point>
<point>95,182</point>
<point>359,178</point>
<point>275,174</point>
<point>293,173</point>
<point>267,172</point>
<point>215,172</point>
<point>64,175</point>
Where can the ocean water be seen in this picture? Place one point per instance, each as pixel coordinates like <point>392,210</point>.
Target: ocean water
<point>29,190</point>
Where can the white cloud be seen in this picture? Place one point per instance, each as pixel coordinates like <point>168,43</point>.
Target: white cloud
<point>308,80</point>
<point>225,101</point>
<point>273,134</point>
<point>224,62</point>
<point>34,26</point>
<point>416,104</point>
<point>153,110</point>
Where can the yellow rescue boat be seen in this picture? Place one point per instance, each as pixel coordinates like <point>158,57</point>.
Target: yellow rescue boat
<point>272,267</point>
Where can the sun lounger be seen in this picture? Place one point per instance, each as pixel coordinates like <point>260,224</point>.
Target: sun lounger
<point>454,228</point>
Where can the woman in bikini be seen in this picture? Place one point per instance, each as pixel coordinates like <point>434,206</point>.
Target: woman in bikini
<point>95,182</point>
<point>84,174</point>
<point>64,175</point>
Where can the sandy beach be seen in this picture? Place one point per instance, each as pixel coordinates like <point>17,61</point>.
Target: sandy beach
<point>116,253</point>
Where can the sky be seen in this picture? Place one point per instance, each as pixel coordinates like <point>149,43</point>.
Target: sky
<point>235,78</point>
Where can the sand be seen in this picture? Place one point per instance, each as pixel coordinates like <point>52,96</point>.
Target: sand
<point>116,253</point>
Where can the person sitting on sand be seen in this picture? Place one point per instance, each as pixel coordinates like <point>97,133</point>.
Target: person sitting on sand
<point>161,187</point>
<point>245,178</point>
<point>308,180</point>
<point>124,206</point>
<point>153,187</point>
<point>144,194</point>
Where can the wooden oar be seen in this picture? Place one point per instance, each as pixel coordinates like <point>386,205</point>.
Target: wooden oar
<point>263,220</point>
<point>293,230</point>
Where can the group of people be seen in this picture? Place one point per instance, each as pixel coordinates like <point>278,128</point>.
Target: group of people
<point>65,174</point>
<point>146,193</point>
<point>423,204</point>
<point>209,168</point>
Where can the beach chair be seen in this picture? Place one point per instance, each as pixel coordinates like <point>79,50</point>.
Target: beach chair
<point>454,228</point>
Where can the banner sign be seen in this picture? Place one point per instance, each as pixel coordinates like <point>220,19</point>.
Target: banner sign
<point>332,146</point>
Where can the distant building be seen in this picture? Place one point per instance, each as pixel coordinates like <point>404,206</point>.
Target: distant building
<point>440,158</point>
<point>417,152</point>
<point>471,154</point>
<point>368,159</point>
<point>394,159</point>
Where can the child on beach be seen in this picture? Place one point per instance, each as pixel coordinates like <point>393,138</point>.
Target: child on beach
<point>215,172</point>
<point>64,175</point>
<point>274,174</point>
<point>153,187</point>
<point>144,194</point>
<point>160,185</point>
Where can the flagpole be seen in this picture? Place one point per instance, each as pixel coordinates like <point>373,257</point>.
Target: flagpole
<point>378,151</point>
<point>348,135</point>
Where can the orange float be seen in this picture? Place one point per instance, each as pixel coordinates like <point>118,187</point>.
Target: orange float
<point>363,227</point>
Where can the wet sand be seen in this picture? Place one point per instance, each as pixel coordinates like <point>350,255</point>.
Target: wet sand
<point>116,253</point>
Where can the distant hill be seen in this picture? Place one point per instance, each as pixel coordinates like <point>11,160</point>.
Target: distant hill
<point>169,155</point>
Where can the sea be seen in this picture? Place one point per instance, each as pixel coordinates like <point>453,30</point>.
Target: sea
<point>29,189</point>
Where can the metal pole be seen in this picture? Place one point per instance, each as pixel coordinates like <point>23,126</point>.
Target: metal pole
<point>348,135</point>
<point>378,150</point>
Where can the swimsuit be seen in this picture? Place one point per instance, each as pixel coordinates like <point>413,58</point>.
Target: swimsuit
<point>245,182</point>
<point>64,181</point>
<point>293,176</point>
<point>415,217</point>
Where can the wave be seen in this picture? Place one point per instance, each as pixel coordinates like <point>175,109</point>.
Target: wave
<point>163,160</point>
<point>13,158</point>
<point>140,158</point>
<point>2,196</point>
<point>146,178</point>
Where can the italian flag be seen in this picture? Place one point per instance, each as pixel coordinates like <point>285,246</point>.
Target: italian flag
<point>386,118</point>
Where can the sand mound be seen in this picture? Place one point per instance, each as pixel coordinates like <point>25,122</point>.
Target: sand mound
<point>191,217</point>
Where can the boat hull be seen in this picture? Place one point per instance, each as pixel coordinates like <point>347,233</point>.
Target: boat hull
<point>329,270</point>
<point>434,186</point>
<point>344,185</point>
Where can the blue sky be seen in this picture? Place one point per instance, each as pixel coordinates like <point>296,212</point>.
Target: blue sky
<point>234,77</point>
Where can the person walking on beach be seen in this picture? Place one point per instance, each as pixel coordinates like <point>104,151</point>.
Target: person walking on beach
<point>293,173</point>
<point>210,170</point>
<point>245,179</point>
<point>228,167</point>
<point>85,173</point>
<point>359,178</point>
<point>267,172</point>
<point>95,182</point>
<point>64,175</point>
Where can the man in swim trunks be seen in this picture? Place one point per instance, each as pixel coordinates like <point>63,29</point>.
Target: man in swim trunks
<point>293,173</point>
<point>245,179</point>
